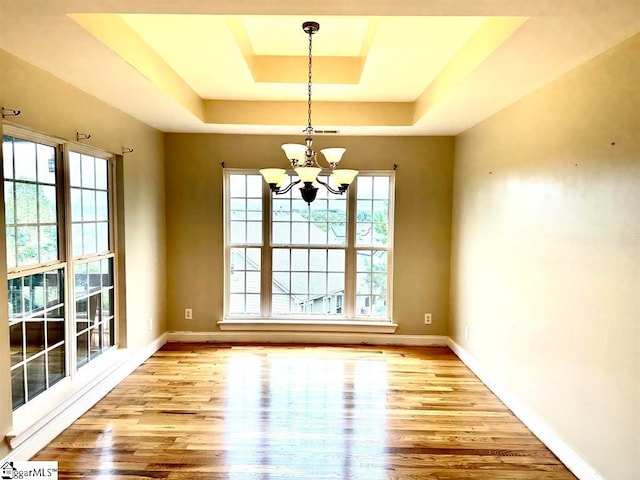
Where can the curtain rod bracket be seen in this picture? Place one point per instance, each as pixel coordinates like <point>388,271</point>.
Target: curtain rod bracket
<point>126,150</point>
<point>10,112</point>
<point>82,136</point>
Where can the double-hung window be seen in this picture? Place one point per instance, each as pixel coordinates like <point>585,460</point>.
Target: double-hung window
<point>60,254</point>
<point>92,254</point>
<point>36,271</point>
<point>328,260</point>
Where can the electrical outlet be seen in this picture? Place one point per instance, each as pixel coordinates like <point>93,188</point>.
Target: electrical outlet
<point>427,319</point>
<point>150,323</point>
<point>188,314</point>
<point>466,332</point>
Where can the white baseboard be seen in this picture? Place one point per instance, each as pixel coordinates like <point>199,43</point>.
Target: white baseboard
<point>307,337</point>
<point>545,434</point>
<point>27,443</point>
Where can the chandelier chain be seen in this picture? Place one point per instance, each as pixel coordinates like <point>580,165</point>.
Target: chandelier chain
<point>304,160</point>
<point>309,127</point>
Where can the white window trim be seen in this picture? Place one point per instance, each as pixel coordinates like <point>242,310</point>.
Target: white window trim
<point>27,417</point>
<point>307,325</point>
<point>326,323</point>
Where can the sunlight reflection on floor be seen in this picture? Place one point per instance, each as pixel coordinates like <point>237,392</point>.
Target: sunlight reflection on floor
<point>319,417</point>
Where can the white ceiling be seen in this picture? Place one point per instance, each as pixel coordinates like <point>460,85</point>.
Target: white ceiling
<point>417,67</point>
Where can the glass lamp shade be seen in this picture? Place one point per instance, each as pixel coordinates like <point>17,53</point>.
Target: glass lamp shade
<point>308,174</point>
<point>344,176</point>
<point>295,151</point>
<point>273,175</point>
<point>333,155</point>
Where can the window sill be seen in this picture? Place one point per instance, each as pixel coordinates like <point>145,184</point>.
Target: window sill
<point>306,325</point>
<point>31,417</point>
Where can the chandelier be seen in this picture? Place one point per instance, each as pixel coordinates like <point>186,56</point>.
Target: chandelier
<point>304,160</point>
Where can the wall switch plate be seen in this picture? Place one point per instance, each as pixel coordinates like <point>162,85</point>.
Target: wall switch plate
<point>188,314</point>
<point>427,319</point>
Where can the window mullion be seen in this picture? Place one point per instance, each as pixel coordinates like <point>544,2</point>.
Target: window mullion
<point>350,254</point>
<point>266,270</point>
<point>64,219</point>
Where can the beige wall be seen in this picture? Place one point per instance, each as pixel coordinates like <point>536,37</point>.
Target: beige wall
<point>55,108</point>
<point>195,219</point>
<point>546,256</point>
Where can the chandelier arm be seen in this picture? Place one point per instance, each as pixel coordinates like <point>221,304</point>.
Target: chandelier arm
<point>286,189</point>
<point>329,166</point>
<point>330,188</point>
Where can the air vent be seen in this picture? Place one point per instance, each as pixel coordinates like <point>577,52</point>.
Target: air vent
<point>326,132</point>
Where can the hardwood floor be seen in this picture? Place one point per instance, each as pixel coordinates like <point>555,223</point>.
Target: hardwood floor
<point>197,412</point>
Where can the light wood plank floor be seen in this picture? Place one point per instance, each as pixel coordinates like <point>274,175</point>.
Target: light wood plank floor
<point>291,412</point>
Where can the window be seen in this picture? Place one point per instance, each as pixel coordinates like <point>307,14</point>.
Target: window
<point>372,245</point>
<point>92,256</point>
<point>326,260</point>
<point>31,209</point>
<point>245,238</point>
<point>39,271</point>
<point>37,334</point>
<point>36,297</point>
